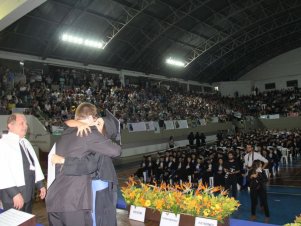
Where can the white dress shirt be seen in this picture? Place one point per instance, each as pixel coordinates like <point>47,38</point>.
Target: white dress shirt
<point>11,164</point>
<point>251,156</point>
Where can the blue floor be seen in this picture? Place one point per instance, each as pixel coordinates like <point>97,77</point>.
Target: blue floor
<point>284,205</point>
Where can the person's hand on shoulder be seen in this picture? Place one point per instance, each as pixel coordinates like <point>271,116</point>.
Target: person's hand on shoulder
<point>99,123</point>
<point>83,130</point>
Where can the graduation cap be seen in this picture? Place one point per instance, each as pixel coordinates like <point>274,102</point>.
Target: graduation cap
<point>112,126</point>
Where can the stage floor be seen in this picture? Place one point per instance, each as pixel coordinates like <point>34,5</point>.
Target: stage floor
<point>284,198</point>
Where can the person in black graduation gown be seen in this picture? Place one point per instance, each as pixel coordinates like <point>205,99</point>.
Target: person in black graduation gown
<point>219,173</point>
<point>198,169</point>
<point>232,170</point>
<point>208,170</point>
<point>258,180</point>
<point>142,169</point>
<point>180,171</point>
<point>197,139</point>
<point>203,139</point>
<point>191,138</point>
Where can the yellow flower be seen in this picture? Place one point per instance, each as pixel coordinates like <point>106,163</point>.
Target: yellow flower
<point>147,203</point>
<point>206,212</point>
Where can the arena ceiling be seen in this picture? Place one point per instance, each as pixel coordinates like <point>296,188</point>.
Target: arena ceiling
<point>219,39</point>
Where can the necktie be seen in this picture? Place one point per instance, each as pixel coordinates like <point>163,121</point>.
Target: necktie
<point>28,156</point>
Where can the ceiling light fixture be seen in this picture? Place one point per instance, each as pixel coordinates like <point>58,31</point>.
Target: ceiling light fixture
<point>174,62</point>
<point>81,41</point>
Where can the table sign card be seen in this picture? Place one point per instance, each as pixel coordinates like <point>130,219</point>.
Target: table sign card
<point>169,219</point>
<point>137,213</point>
<point>205,222</point>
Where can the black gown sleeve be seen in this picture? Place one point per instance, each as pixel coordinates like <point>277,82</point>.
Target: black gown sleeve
<point>96,142</point>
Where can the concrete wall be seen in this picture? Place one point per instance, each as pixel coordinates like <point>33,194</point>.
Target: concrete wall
<point>243,88</point>
<point>282,123</point>
<point>280,82</point>
<point>287,64</point>
<point>279,70</point>
<point>146,142</point>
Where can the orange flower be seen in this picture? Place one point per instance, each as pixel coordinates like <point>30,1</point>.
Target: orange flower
<point>159,204</point>
<point>132,195</point>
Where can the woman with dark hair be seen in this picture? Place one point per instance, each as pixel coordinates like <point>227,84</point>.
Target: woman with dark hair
<point>258,180</point>
<point>219,173</point>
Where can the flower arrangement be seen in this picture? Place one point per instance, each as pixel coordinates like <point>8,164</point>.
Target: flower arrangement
<point>204,201</point>
<point>297,222</point>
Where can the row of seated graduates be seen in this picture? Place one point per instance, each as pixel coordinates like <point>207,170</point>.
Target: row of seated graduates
<point>188,164</point>
<point>192,163</point>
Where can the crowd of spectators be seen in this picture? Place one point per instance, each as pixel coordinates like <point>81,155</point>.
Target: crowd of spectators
<point>195,163</point>
<point>55,96</point>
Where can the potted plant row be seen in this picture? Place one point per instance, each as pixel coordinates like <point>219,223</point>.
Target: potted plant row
<point>204,201</point>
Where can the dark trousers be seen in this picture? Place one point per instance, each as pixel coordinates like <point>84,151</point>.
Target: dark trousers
<point>262,195</point>
<point>231,184</point>
<point>105,207</point>
<point>27,207</point>
<point>77,218</point>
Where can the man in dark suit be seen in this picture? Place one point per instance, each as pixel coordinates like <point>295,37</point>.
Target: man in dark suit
<point>69,199</point>
<point>101,169</point>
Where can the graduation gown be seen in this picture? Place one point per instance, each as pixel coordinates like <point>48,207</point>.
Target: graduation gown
<point>12,171</point>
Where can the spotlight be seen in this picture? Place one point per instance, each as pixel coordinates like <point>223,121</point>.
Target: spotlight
<point>175,62</point>
<point>82,41</point>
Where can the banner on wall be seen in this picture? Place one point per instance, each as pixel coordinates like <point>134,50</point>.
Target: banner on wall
<point>214,119</point>
<point>169,125</point>
<point>202,122</point>
<point>19,110</point>
<point>275,116</point>
<point>142,126</point>
<point>293,114</point>
<point>137,127</point>
<point>157,127</point>
<point>150,126</point>
<point>180,124</point>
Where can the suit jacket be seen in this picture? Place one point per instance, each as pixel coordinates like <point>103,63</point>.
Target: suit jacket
<point>73,193</point>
